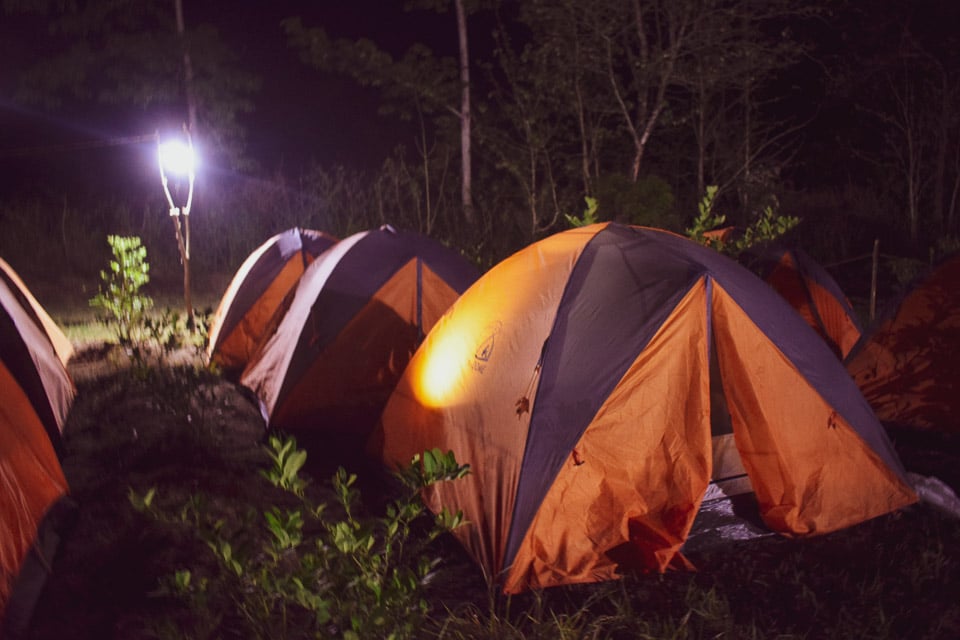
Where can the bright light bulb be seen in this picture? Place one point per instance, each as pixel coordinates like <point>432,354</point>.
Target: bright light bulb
<point>177,158</point>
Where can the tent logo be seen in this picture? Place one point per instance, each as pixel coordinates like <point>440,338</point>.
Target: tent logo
<point>833,421</point>
<point>483,352</point>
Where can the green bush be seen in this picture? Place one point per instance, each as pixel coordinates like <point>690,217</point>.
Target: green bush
<point>300,571</point>
<point>120,293</point>
<point>589,214</point>
<point>768,227</point>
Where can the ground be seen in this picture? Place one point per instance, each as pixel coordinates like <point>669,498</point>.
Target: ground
<point>198,440</point>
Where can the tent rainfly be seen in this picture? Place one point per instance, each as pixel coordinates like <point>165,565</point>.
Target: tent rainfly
<point>600,381</point>
<point>812,292</point>
<point>256,291</point>
<point>36,396</point>
<point>356,316</point>
<point>907,364</point>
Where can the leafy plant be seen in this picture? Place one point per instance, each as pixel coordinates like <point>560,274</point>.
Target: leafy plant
<point>589,214</point>
<point>304,572</point>
<point>706,220</point>
<point>163,335</point>
<point>766,228</point>
<point>120,294</point>
<point>287,463</point>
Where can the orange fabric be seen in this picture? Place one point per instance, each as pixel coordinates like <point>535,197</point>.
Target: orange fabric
<point>354,375</point>
<point>627,497</point>
<point>437,298</point>
<point>827,317</point>
<point>908,367</point>
<point>629,492</point>
<point>838,324</point>
<point>810,470</point>
<point>30,479</point>
<point>460,391</point>
<point>236,349</point>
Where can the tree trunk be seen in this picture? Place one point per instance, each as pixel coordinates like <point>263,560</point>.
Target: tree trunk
<point>747,148</point>
<point>940,163</point>
<point>581,122</point>
<point>465,117</point>
<point>913,187</point>
<point>701,137</point>
<point>187,71</point>
<point>954,194</point>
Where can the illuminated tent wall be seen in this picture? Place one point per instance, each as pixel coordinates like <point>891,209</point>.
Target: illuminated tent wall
<point>908,365</point>
<point>812,292</point>
<point>256,291</point>
<point>36,396</point>
<point>357,315</point>
<point>38,314</point>
<point>575,379</point>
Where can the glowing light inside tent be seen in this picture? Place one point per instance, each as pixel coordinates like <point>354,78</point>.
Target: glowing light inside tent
<point>449,356</point>
<point>442,369</point>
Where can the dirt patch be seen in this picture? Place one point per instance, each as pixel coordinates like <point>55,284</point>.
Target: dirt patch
<point>127,432</point>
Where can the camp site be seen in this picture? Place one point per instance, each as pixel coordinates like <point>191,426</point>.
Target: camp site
<point>480,320</point>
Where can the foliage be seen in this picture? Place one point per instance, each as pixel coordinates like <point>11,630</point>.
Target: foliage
<point>766,228</point>
<point>287,463</point>
<point>168,333</point>
<point>607,611</point>
<point>647,201</point>
<point>120,293</point>
<point>905,270</point>
<point>168,361</point>
<point>130,54</point>
<point>567,97</point>
<point>589,214</point>
<point>706,219</point>
<point>304,572</point>
<point>891,570</point>
<point>943,247</point>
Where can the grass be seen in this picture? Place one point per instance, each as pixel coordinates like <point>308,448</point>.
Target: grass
<point>66,297</point>
<point>198,440</point>
<point>87,331</point>
<point>888,578</point>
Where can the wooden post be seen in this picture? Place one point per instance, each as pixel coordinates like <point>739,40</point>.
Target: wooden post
<point>182,240</point>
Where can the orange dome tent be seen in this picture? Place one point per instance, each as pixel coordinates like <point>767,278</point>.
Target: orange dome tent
<point>60,342</point>
<point>590,380</point>
<point>36,396</point>
<point>908,365</point>
<point>29,353</point>
<point>256,291</point>
<point>804,284</point>
<point>356,316</point>
<point>812,292</point>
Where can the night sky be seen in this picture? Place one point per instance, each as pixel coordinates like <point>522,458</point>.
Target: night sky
<point>301,114</point>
